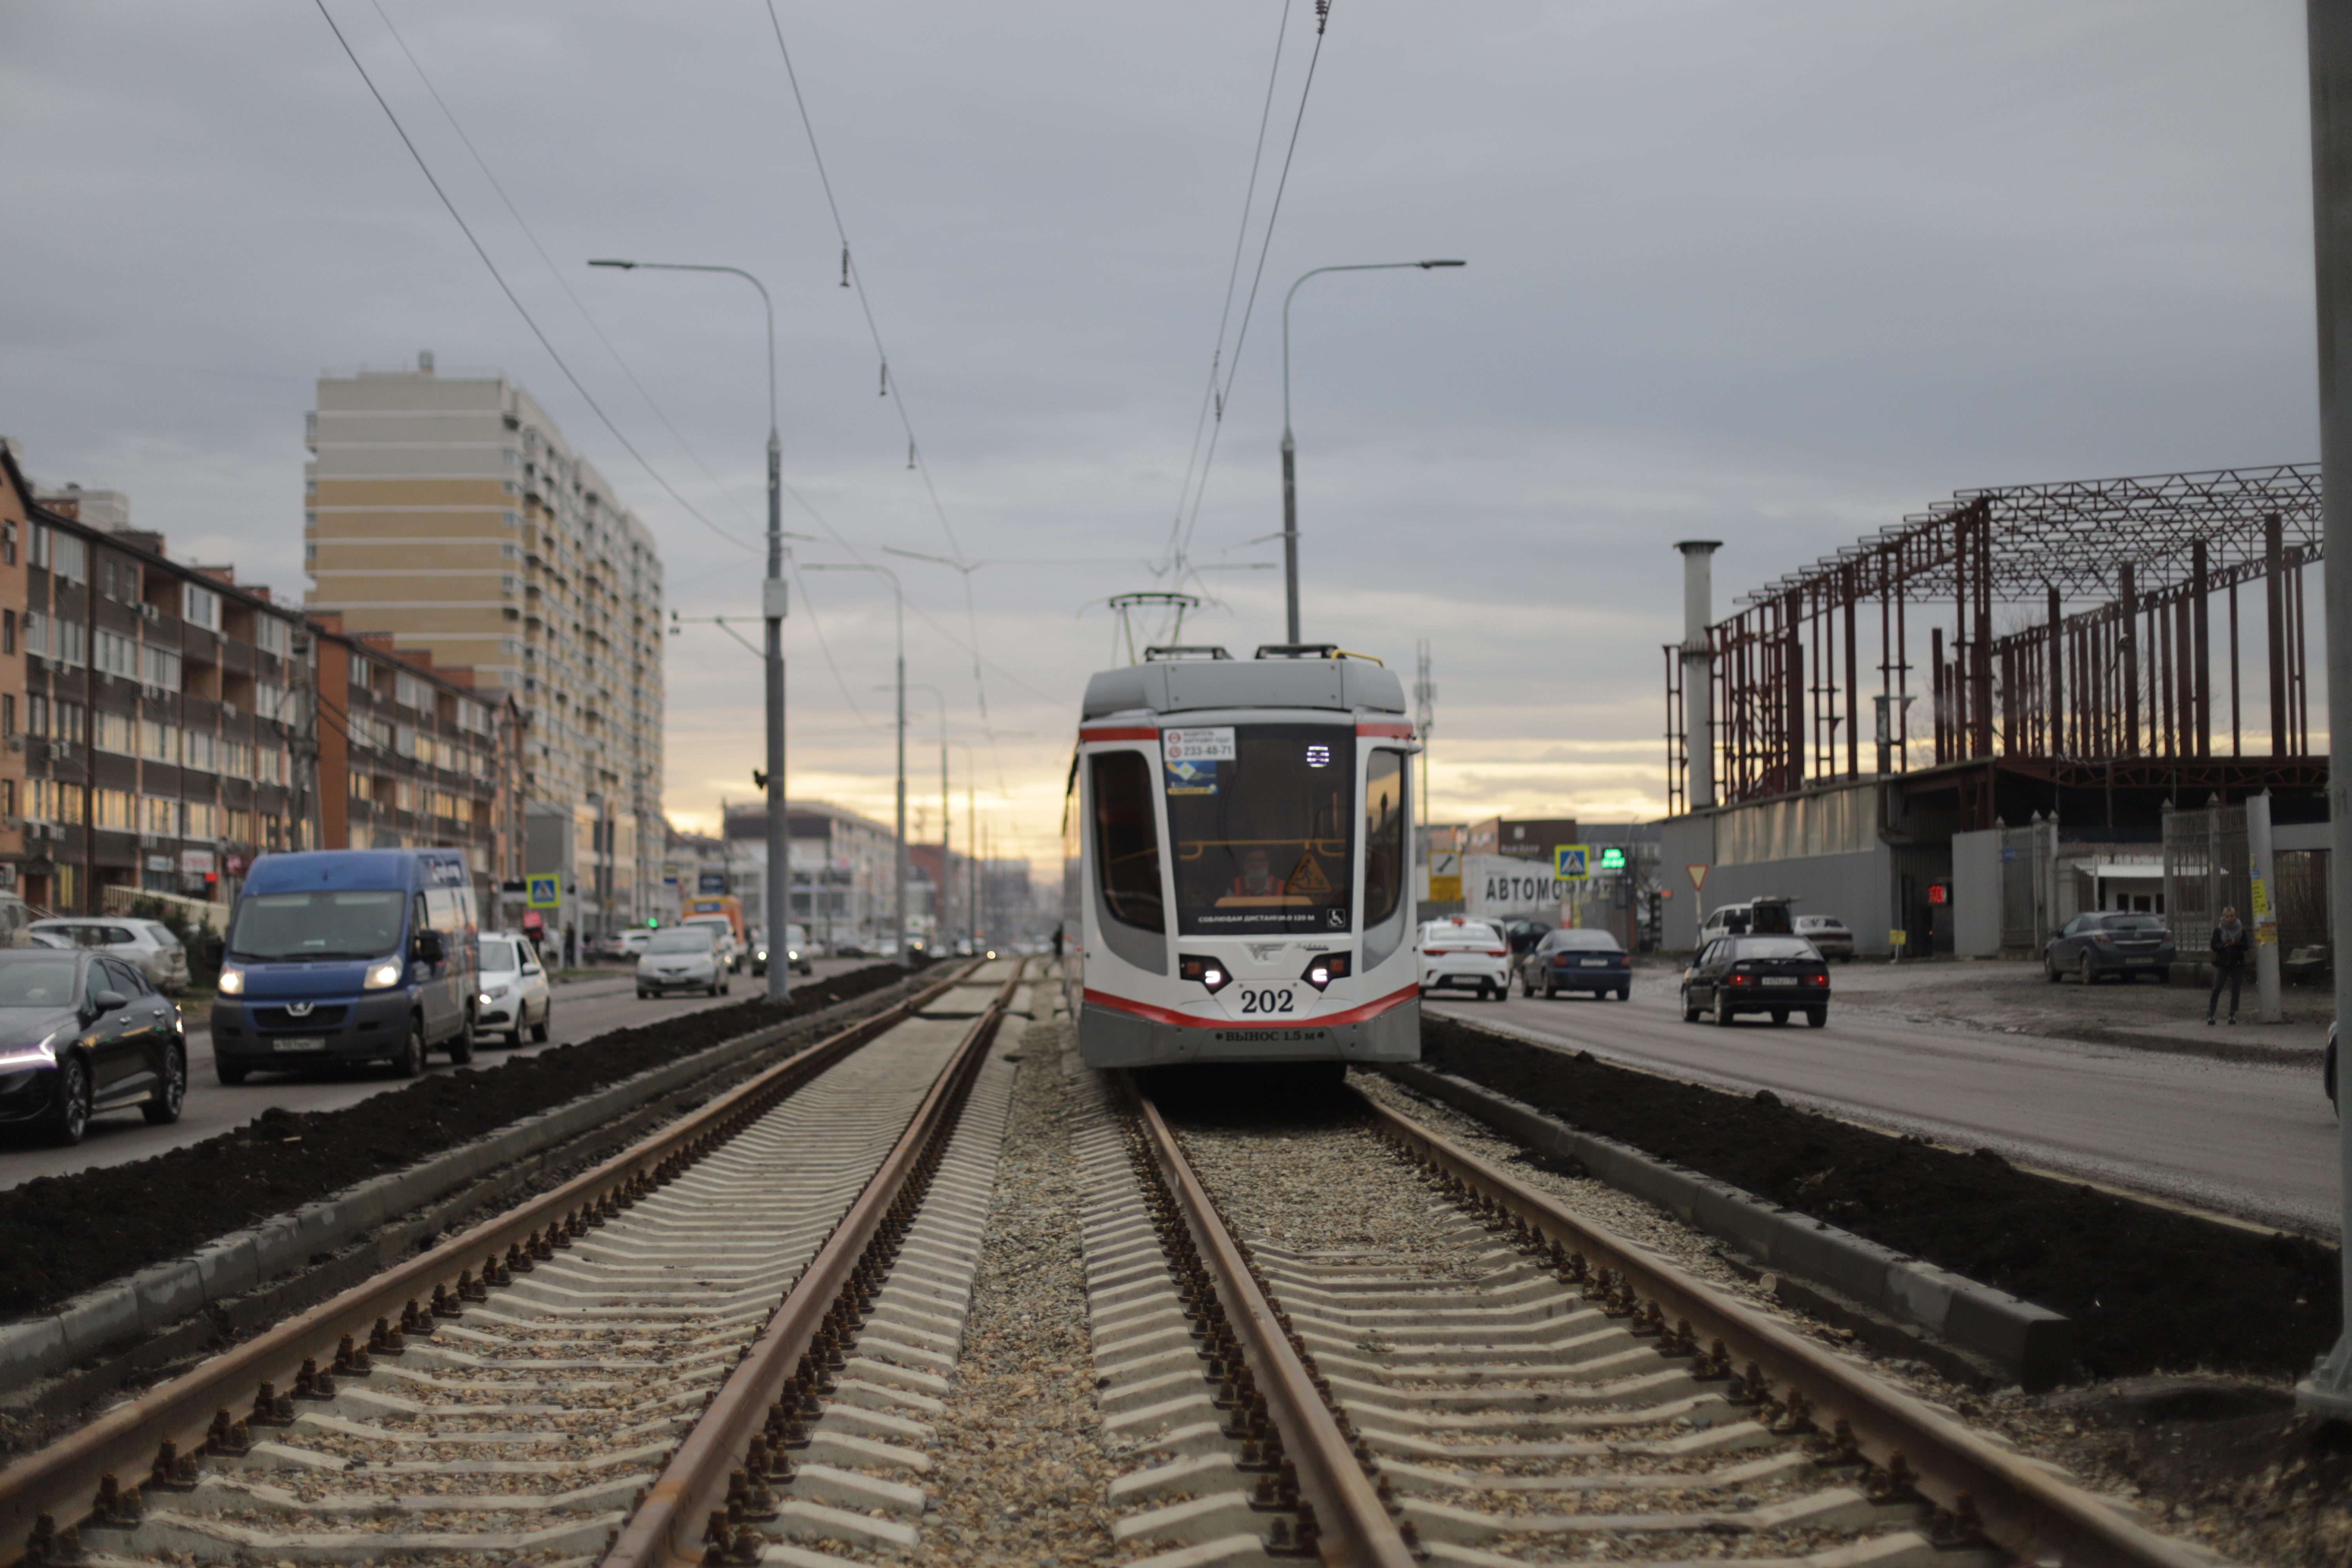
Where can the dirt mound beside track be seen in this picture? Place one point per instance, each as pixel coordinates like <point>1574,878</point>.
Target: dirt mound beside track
<point>64,1235</point>
<point>2149,1288</point>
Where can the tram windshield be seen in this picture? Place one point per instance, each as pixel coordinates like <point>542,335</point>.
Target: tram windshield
<point>1262,820</point>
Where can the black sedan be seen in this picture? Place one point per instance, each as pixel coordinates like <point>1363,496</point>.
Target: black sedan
<point>2123,945</point>
<point>83,1033</point>
<point>1577,960</point>
<point>1776,975</point>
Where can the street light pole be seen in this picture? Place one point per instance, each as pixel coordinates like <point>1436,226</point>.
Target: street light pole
<point>947,839</point>
<point>899,595</point>
<point>1290,447</point>
<point>778,896</point>
<point>2327,1392</point>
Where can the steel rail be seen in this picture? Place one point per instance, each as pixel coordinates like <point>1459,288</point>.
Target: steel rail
<point>2032,1515</point>
<point>62,1481</point>
<point>1353,1523</point>
<point>674,1525</point>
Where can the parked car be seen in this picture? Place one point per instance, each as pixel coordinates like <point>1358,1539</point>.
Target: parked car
<point>1777,976</point>
<point>1769,916</point>
<point>633,943</point>
<point>1573,959</point>
<point>685,958</point>
<point>2109,942</point>
<point>515,994</point>
<point>81,1033</point>
<point>1829,936</point>
<point>1524,934</point>
<point>1458,953</point>
<point>150,944</point>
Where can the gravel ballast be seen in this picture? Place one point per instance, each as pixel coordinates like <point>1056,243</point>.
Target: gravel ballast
<point>1019,1476</point>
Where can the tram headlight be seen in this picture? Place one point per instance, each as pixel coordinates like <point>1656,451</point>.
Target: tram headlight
<point>1210,972</point>
<point>1325,967</point>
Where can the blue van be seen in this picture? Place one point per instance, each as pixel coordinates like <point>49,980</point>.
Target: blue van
<point>347,955</point>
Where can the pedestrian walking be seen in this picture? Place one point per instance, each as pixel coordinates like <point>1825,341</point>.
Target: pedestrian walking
<point>2229,962</point>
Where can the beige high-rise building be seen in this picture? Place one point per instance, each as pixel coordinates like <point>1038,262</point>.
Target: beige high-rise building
<point>448,511</point>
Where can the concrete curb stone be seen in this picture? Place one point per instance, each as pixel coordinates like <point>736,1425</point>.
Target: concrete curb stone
<point>242,1261</point>
<point>2032,1344</point>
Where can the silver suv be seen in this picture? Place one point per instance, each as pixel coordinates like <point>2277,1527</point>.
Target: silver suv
<point>150,944</point>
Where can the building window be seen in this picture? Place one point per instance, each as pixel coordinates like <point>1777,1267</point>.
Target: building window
<point>117,654</point>
<point>117,732</point>
<point>161,666</point>
<point>200,749</point>
<point>200,606</point>
<point>117,809</point>
<point>159,742</point>
<point>410,692</point>
<point>203,820</point>
<point>7,631</point>
<point>7,544</point>
<point>271,635</point>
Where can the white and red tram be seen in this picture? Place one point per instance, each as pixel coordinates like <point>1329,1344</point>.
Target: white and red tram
<point>1245,863</point>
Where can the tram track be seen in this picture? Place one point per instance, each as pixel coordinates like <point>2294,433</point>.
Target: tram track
<point>605,1370</point>
<point>1495,1378</point>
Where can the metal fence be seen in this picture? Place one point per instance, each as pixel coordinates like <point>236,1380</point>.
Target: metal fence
<point>2205,871</point>
<point>2029,884</point>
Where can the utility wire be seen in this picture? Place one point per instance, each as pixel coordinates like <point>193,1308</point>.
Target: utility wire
<point>1210,398</point>
<point>852,278</point>
<point>562,281</point>
<point>1322,20</point>
<point>507,289</point>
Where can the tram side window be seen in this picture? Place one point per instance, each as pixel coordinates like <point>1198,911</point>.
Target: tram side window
<point>1126,839</point>
<point>1384,828</point>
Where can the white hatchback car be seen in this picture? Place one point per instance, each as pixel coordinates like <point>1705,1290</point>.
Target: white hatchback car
<point>1462,955</point>
<point>150,944</point>
<point>684,958</point>
<point>514,995</point>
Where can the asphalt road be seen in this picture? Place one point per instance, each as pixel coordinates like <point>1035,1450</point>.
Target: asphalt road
<point>2257,1141</point>
<point>582,1009</point>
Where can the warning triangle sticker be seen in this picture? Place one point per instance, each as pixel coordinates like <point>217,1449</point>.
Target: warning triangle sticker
<point>1307,878</point>
<point>1697,876</point>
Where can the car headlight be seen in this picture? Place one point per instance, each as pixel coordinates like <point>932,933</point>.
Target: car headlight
<point>492,994</point>
<point>383,975</point>
<point>43,1054</point>
<point>761,955</point>
<point>232,982</point>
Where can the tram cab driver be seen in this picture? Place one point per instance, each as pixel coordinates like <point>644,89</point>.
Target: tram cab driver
<point>1257,879</point>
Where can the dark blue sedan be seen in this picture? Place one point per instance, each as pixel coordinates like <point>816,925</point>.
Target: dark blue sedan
<point>1581,960</point>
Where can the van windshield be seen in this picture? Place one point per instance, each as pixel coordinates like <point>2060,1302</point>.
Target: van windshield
<point>344,923</point>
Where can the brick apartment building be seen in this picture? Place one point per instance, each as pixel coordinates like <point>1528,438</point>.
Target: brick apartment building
<point>162,724</point>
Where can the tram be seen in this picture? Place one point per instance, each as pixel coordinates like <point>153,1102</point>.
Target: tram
<point>1245,854</point>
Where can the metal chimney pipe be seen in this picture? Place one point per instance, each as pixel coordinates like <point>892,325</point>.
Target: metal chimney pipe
<point>1699,669</point>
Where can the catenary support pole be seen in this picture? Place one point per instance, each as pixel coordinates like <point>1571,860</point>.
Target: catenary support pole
<point>1698,666</point>
<point>2261,919</point>
<point>2328,1391</point>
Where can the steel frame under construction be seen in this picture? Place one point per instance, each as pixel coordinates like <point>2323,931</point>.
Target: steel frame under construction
<point>2107,677</point>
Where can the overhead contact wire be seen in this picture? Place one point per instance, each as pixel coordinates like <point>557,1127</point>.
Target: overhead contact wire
<point>507,289</point>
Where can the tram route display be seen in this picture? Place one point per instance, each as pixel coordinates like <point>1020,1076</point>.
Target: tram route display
<point>1245,849</point>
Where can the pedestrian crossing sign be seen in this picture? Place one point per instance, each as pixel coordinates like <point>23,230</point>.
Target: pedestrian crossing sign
<point>1571,862</point>
<point>546,892</point>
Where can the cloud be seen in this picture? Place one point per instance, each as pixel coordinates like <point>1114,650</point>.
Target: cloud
<point>1771,273</point>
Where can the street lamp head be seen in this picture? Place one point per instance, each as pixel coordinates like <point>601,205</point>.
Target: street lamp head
<point>624,266</point>
<point>1424,266</point>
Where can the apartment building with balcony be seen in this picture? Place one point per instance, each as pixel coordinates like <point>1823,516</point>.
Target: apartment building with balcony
<point>448,511</point>
<point>162,724</point>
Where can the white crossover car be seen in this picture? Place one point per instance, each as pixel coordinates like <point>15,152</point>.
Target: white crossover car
<point>514,995</point>
<point>684,958</point>
<point>1459,954</point>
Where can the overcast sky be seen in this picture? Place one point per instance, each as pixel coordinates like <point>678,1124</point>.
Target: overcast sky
<point>1770,273</point>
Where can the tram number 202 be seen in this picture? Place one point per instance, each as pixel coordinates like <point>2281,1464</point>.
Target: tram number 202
<point>1266,1001</point>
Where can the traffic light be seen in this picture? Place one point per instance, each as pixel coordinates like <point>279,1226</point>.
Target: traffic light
<point>1612,858</point>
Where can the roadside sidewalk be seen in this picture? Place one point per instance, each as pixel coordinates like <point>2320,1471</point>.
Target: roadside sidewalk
<point>2013,997</point>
